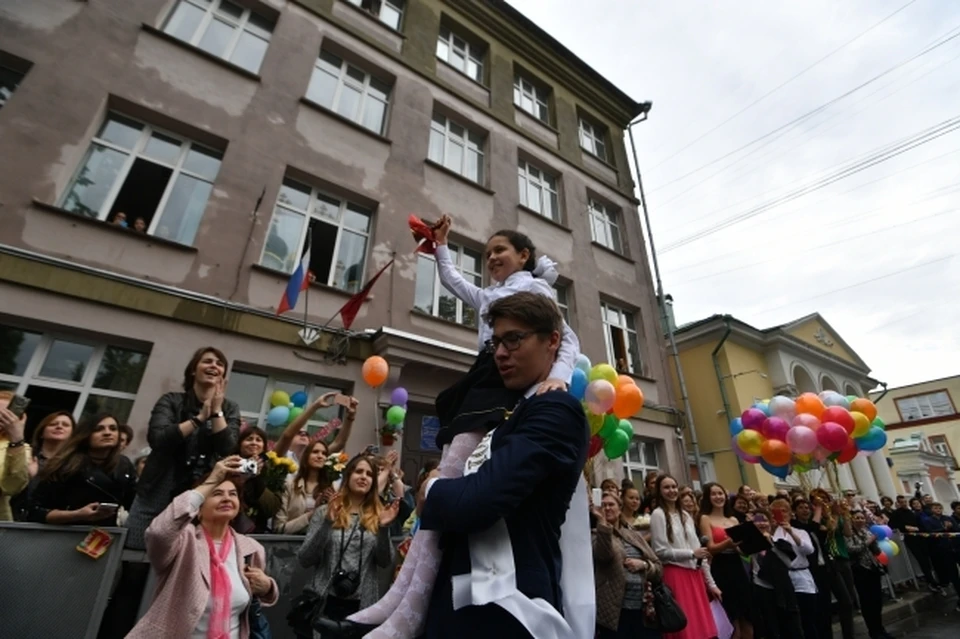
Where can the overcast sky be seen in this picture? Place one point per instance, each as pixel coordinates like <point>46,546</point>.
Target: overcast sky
<point>896,223</point>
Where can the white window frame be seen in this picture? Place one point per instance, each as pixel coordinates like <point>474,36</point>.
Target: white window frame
<point>563,301</point>
<point>312,213</point>
<point>924,407</point>
<point>85,387</point>
<point>396,5</point>
<point>624,317</point>
<point>533,176</point>
<point>313,390</point>
<point>534,95</point>
<point>608,219</point>
<point>456,255</point>
<point>470,142</point>
<point>186,144</point>
<point>211,13</point>
<point>5,93</point>
<point>593,139</point>
<point>344,78</point>
<point>631,466</point>
<point>448,40</point>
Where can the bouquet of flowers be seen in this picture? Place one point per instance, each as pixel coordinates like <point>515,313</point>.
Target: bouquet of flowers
<point>334,466</point>
<point>275,471</point>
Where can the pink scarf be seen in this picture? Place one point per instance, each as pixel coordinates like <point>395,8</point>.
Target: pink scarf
<point>219,625</point>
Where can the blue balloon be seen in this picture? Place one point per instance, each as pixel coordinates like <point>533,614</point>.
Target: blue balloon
<point>763,408</point>
<point>776,471</point>
<point>278,415</point>
<point>299,399</point>
<point>880,533</point>
<point>875,439</point>
<point>578,383</point>
<point>583,363</point>
<point>736,426</point>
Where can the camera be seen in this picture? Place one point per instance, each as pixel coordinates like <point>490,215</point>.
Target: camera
<point>248,467</point>
<point>917,485</point>
<point>344,584</point>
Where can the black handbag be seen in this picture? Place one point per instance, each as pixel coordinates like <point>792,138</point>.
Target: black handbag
<point>668,616</point>
<point>306,607</point>
<point>259,626</point>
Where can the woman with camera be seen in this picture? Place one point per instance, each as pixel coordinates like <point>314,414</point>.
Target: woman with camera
<point>262,499</point>
<point>207,574</point>
<point>348,540</point>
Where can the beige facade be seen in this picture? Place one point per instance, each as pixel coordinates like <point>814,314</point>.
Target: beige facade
<point>341,120</point>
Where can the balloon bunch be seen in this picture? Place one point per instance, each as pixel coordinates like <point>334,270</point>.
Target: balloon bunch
<point>785,435</point>
<point>887,546</point>
<point>397,412</point>
<point>609,400</point>
<point>285,407</point>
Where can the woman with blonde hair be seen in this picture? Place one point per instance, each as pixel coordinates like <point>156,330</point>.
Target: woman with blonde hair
<point>309,489</point>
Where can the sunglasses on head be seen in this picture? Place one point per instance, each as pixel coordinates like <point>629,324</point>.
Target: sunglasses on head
<point>304,433</point>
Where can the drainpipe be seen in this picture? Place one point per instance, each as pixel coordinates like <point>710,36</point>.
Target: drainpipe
<point>723,388</point>
<point>883,394</point>
<point>666,321</point>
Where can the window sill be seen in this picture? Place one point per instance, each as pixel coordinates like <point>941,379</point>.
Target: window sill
<point>463,179</point>
<point>456,70</point>
<point>113,228</point>
<point>612,252</point>
<point>336,116</point>
<point>445,322</point>
<point>314,285</point>
<point>226,64</point>
<point>540,216</point>
<point>530,116</point>
<point>638,376</point>
<point>375,19</point>
<point>597,158</point>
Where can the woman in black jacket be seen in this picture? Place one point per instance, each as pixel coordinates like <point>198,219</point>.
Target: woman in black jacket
<point>87,480</point>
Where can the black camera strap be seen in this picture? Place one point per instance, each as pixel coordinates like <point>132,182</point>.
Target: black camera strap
<point>345,544</point>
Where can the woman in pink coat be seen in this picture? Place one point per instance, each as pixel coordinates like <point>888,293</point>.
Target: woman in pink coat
<point>207,573</point>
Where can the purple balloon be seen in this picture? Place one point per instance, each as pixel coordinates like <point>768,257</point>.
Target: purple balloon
<point>775,428</point>
<point>399,396</point>
<point>753,419</point>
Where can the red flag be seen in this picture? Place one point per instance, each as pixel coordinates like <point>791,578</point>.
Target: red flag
<point>349,311</point>
<point>422,234</point>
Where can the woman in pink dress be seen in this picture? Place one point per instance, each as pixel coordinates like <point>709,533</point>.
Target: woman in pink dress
<point>685,569</point>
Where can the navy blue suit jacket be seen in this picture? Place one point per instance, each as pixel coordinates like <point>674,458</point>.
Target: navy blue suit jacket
<point>537,456</point>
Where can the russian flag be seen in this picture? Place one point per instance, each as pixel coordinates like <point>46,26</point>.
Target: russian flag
<point>299,281</point>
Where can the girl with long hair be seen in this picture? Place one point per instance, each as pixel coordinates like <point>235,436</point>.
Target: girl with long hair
<point>88,479</point>
<point>685,571</point>
<point>631,506</point>
<point>50,435</point>
<point>469,409</point>
<point>306,491</point>
<point>262,501</point>
<point>348,541</point>
<point>726,566</point>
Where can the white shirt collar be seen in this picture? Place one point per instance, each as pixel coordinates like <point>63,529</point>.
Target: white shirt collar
<point>515,277</point>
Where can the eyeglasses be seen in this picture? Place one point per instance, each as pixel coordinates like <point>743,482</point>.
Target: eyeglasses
<point>511,341</point>
<point>304,433</point>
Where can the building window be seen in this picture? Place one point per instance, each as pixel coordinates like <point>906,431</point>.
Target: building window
<point>531,97</point>
<point>465,57</point>
<point>223,29</point>
<point>592,137</point>
<point>456,147</point>
<point>389,12</point>
<point>60,372</point>
<point>940,445</point>
<point>620,335</point>
<point>9,81</point>
<point>923,406</point>
<point>133,171</point>
<point>604,225</point>
<point>538,190</point>
<point>432,298</point>
<point>563,301</point>
<point>335,231</point>
<point>641,457</point>
<point>252,392</point>
<point>349,91</point>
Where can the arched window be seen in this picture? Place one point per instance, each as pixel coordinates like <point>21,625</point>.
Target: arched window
<point>803,381</point>
<point>827,384</point>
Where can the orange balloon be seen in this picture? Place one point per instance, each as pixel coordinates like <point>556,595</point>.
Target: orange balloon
<point>375,371</point>
<point>628,402</point>
<point>775,452</point>
<point>865,406</point>
<point>810,404</point>
<point>624,379</point>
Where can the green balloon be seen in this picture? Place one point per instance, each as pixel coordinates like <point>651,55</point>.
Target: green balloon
<point>294,413</point>
<point>850,398</point>
<point>626,427</point>
<point>609,427</point>
<point>616,445</point>
<point>879,424</point>
<point>396,415</point>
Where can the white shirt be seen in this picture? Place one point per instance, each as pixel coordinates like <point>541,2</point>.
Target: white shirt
<point>800,566</point>
<point>678,552</point>
<point>481,299</point>
<point>239,600</point>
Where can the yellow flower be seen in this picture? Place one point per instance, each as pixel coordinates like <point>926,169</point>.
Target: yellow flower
<point>272,455</point>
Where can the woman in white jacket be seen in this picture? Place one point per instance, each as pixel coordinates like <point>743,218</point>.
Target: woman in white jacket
<point>675,541</point>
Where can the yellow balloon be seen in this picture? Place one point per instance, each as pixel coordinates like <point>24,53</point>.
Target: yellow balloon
<point>750,442</point>
<point>861,424</point>
<point>806,459</point>
<point>596,423</point>
<point>896,548</point>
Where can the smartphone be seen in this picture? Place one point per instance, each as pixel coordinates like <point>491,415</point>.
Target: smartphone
<point>779,516</point>
<point>371,450</point>
<point>18,404</point>
<point>597,495</point>
<point>342,400</point>
<point>108,507</point>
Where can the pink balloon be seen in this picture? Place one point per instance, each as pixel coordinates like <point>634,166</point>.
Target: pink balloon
<point>775,428</point>
<point>753,418</point>
<point>832,436</point>
<point>600,396</point>
<point>808,420</point>
<point>802,440</point>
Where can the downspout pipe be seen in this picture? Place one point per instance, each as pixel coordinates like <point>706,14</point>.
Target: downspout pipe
<point>666,321</point>
<point>723,389</point>
<point>883,394</point>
